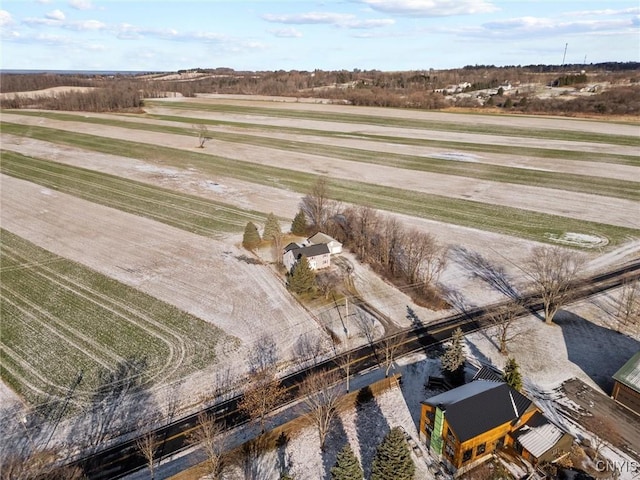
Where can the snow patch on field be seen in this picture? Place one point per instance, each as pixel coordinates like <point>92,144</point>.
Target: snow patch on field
<point>457,156</point>
<point>579,239</point>
<point>160,170</point>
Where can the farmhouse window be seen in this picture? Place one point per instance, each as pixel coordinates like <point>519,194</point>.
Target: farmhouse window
<point>466,456</point>
<point>449,450</point>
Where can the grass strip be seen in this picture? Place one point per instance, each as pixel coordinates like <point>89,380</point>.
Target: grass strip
<point>188,212</point>
<point>447,126</point>
<point>616,188</point>
<point>507,220</point>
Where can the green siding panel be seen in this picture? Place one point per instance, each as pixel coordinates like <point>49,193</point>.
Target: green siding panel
<point>436,438</point>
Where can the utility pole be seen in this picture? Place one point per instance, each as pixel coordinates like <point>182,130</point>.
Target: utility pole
<point>565,54</point>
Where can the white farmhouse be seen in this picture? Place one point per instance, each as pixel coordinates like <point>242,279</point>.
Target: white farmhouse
<point>318,255</point>
<point>334,245</point>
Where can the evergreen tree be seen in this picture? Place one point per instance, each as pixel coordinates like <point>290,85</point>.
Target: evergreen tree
<point>299,224</point>
<point>393,459</point>
<point>251,237</point>
<point>453,359</point>
<point>302,279</point>
<point>512,374</point>
<point>271,227</point>
<point>347,466</point>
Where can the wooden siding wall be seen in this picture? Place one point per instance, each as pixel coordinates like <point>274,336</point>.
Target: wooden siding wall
<point>489,438</point>
<point>626,396</point>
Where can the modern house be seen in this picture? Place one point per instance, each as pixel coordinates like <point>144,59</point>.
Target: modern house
<point>463,426</point>
<point>318,255</point>
<point>334,245</point>
<point>626,387</point>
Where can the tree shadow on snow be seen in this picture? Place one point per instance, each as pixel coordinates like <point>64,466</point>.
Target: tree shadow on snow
<point>371,427</point>
<point>598,351</point>
<point>485,270</point>
<point>336,439</point>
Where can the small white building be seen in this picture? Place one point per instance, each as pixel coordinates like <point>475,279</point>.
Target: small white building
<point>319,238</point>
<point>318,255</point>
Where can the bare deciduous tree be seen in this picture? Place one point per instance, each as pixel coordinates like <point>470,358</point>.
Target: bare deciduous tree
<point>388,244</point>
<point>502,320</point>
<point>553,271</point>
<point>345,360</point>
<point>366,325</point>
<point>262,395</point>
<point>628,313</point>
<point>317,206</point>
<point>322,401</point>
<point>210,435</point>
<point>277,245</point>
<point>203,134</point>
<point>390,347</point>
<point>147,445</point>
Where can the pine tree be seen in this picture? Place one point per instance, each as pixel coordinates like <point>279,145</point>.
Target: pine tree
<point>347,466</point>
<point>271,227</point>
<point>512,374</point>
<point>299,224</point>
<point>453,359</point>
<point>302,279</point>
<point>251,237</point>
<point>393,459</point>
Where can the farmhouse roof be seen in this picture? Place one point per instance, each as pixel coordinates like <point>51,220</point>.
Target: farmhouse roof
<point>538,435</point>
<point>479,406</point>
<point>629,373</point>
<point>291,246</point>
<point>311,250</point>
<point>490,373</point>
<point>320,238</point>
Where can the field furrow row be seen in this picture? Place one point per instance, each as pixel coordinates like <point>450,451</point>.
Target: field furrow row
<point>388,121</point>
<point>499,218</point>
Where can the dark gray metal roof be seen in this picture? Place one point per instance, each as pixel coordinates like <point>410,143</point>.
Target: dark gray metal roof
<point>292,246</point>
<point>488,372</point>
<point>480,406</point>
<point>311,250</point>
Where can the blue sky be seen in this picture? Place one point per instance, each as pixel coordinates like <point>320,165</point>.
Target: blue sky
<point>158,35</point>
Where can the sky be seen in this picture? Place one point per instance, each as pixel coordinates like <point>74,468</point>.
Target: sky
<point>388,35</point>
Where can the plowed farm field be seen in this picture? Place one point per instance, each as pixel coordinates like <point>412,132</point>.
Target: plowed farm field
<point>121,238</point>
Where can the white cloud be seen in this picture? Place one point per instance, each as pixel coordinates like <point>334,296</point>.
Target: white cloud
<point>530,27</point>
<point>81,4</point>
<point>43,2</point>
<point>336,19</point>
<point>374,23</point>
<point>286,32</point>
<point>599,13</point>
<point>5,18</point>
<point>309,18</point>
<point>32,22</point>
<point>84,25</point>
<point>55,15</point>
<point>431,8</point>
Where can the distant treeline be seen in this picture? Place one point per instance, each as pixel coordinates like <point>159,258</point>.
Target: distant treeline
<point>15,82</point>
<point>425,89</point>
<point>604,66</point>
<point>114,97</point>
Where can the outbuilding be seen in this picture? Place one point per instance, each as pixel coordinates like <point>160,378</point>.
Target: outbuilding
<point>626,387</point>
